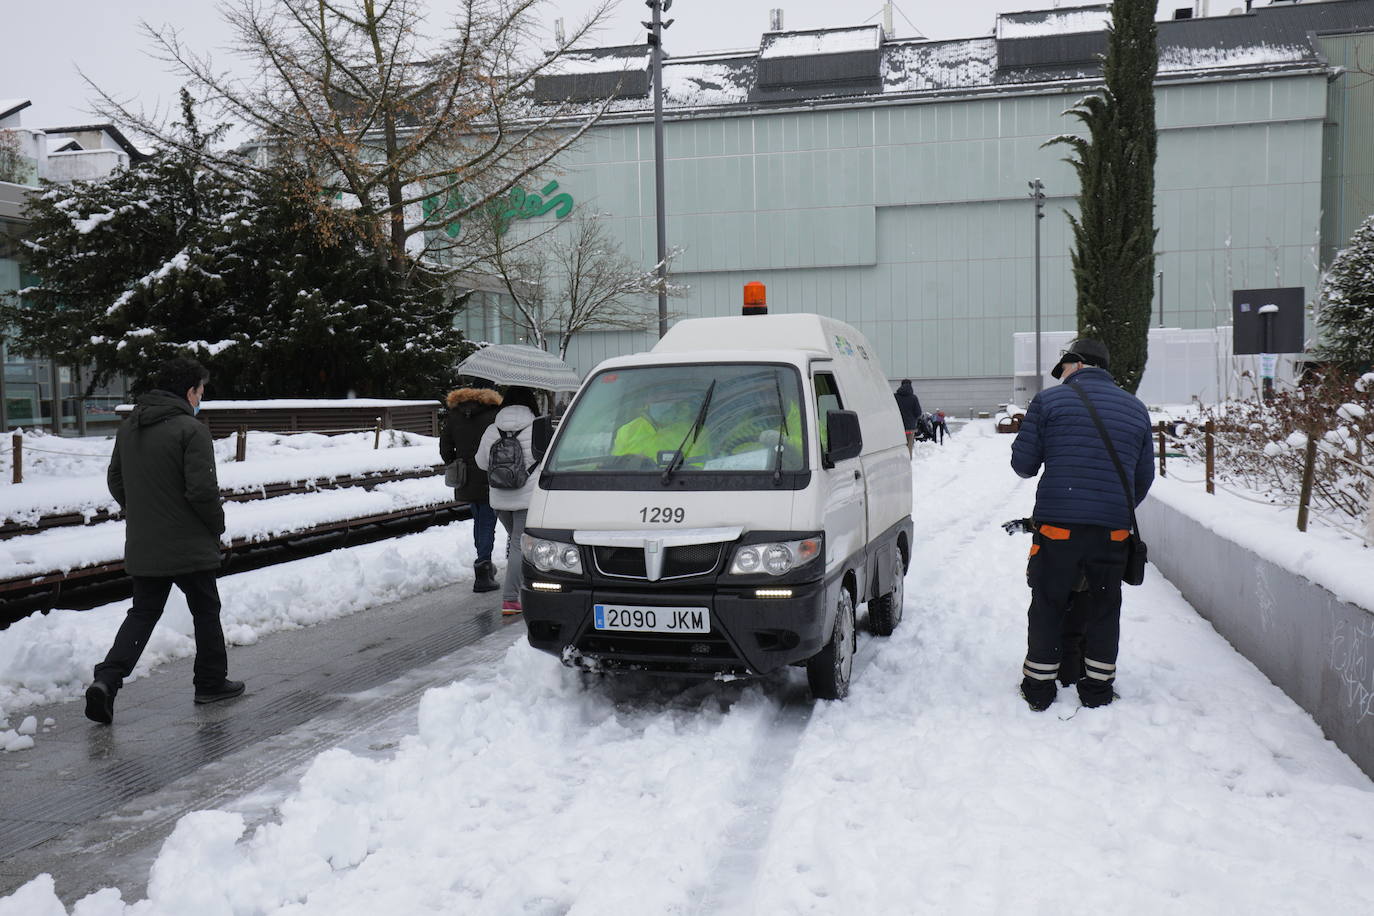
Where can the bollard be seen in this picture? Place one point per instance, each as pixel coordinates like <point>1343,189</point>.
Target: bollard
<point>18,449</point>
<point>377,440</point>
<point>1209,435</point>
<point>1161,451</point>
<point>1309,466</point>
<point>241,445</point>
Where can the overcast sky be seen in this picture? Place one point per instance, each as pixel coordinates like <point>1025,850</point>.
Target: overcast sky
<point>46,40</point>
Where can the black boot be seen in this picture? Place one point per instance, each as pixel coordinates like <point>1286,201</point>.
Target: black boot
<point>484,577</point>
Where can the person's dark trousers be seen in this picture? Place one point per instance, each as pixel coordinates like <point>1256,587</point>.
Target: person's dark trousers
<point>150,597</point>
<point>1074,632</point>
<point>483,530</point>
<point>1074,573</point>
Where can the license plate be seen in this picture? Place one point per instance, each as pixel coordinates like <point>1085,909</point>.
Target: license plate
<point>652,619</point>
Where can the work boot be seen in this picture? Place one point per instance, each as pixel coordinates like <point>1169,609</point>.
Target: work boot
<point>225,691</point>
<point>100,703</point>
<point>484,577</point>
<point>1037,694</point>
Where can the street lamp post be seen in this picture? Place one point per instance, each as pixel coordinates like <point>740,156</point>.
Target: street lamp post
<point>1037,194</point>
<point>656,26</point>
<point>1267,358</point>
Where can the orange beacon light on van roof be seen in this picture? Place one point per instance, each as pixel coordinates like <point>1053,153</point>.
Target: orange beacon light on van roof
<point>755,299</point>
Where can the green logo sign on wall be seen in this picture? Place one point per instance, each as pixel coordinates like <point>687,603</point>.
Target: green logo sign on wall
<point>518,204</point>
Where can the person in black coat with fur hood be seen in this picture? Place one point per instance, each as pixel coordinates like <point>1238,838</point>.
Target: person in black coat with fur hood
<point>470,411</point>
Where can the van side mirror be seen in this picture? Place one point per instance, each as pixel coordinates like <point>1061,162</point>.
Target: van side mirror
<point>845,437</point>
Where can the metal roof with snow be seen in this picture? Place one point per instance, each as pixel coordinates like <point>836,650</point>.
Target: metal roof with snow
<point>1034,48</point>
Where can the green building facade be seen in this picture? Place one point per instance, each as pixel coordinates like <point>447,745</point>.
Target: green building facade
<point>884,182</point>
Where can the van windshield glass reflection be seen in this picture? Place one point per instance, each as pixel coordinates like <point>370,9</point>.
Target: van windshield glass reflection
<point>639,419</point>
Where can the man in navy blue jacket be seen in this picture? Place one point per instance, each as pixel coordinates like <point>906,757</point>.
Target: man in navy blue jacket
<point>1078,549</point>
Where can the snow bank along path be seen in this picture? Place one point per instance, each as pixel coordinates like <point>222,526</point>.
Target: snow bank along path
<point>932,789</point>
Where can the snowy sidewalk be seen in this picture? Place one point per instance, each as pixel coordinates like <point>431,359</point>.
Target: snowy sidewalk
<point>99,796</point>
<point>932,789</point>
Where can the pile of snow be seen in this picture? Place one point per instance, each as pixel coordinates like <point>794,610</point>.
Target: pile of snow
<point>49,657</point>
<point>71,547</point>
<point>68,475</point>
<point>931,789</point>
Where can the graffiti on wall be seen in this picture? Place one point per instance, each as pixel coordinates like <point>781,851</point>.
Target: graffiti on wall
<point>517,204</point>
<point>1352,658</point>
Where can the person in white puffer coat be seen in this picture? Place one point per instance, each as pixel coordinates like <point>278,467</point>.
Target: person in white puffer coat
<point>517,415</point>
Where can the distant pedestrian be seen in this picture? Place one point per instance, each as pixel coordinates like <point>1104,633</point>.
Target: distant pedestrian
<point>162,474</point>
<point>910,407</point>
<point>515,423</point>
<point>470,411</point>
<point>938,427</point>
<point>1082,521</point>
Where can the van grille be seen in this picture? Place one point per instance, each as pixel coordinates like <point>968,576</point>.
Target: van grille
<point>678,562</point>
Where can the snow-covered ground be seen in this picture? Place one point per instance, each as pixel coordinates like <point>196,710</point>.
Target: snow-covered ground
<point>68,475</point>
<point>932,789</point>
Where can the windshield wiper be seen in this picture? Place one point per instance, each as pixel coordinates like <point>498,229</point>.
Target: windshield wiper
<point>782,432</point>
<point>691,433</point>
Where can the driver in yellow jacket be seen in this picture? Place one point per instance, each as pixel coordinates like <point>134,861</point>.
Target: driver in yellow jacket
<point>662,427</point>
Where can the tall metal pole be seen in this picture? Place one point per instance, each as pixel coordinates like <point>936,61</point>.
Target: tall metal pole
<point>656,27</point>
<point>1161,298</point>
<point>1037,194</point>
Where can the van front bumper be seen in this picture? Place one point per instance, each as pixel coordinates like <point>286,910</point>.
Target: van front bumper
<point>749,635</point>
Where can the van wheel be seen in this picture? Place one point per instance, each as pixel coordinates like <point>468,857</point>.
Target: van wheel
<point>885,611</point>
<point>828,670</point>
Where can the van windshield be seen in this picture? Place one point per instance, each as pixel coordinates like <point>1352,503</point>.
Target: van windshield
<point>686,419</point>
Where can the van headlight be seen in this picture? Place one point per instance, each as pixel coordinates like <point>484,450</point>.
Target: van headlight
<point>551,556</point>
<point>774,559</point>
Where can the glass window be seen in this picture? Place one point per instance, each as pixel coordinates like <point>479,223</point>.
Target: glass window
<point>732,417</point>
<point>827,399</point>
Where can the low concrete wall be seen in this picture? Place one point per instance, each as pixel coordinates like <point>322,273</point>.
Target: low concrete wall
<point>1317,649</point>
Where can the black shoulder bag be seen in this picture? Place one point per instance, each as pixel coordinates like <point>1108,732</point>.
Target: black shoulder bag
<point>1134,573</point>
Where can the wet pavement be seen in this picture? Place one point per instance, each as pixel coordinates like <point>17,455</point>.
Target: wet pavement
<point>91,804</point>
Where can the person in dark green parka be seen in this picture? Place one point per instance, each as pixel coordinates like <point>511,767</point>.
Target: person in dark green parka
<point>162,474</point>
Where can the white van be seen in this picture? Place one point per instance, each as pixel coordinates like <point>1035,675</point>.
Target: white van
<point>721,505</point>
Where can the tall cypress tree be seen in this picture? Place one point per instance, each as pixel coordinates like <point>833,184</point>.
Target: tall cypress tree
<point>1114,233</point>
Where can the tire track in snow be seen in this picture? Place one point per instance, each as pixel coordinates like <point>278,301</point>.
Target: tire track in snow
<point>756,799</point>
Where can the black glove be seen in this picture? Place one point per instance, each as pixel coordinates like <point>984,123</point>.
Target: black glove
<point>1023,525</point>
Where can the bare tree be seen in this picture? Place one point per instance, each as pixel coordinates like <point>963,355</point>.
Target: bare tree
<point>411,132</point>
<point>561,283</point>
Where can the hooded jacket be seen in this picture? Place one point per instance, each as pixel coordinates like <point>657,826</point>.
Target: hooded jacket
<point>1080,483</point>
<point>909,405</point>
<point>162,473</point>
<point>470,412</point>
<point>519,419</point>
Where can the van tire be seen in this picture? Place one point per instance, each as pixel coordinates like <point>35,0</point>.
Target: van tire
<point>828,671</point>
<point>885,611</point>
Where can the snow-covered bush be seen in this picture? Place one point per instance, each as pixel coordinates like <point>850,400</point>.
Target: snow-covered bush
<point>1263,446</point>
<point>1346,316</point>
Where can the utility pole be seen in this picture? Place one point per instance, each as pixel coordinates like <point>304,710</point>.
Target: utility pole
<point>1037,194</point>
<point>656,26</point>
<point>1161,298</point>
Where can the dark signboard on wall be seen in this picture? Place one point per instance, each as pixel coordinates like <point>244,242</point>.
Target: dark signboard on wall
<point>1248,310</point>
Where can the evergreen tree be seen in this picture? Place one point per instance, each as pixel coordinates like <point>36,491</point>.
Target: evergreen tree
<point>1114,232</point>
<point>1346,319</point>
<point>276,295</point>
